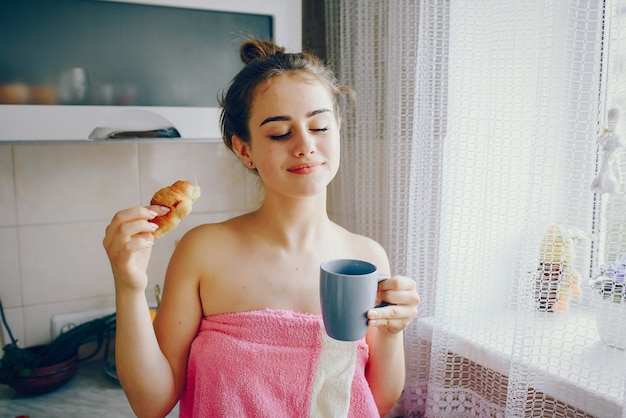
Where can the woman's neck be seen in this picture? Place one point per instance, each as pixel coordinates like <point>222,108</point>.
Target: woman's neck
<point>293,222</point>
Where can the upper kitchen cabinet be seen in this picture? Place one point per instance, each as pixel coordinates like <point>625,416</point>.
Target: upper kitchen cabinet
<point>109,69</point>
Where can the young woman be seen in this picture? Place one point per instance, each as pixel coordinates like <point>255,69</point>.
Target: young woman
<point>238,330</point>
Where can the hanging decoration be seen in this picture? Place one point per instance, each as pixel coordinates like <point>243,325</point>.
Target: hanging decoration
<point>609,176</point>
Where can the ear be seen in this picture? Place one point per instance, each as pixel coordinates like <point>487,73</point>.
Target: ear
<point>242,150</point>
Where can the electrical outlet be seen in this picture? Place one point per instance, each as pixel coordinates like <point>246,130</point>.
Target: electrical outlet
<point>63,322</point>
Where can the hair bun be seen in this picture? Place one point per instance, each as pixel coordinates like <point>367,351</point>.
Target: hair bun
<point>254,48</point>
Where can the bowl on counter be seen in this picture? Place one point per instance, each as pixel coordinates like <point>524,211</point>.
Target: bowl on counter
<point>46,378</point>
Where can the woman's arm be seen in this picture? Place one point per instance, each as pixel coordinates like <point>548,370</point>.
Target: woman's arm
<point>149,374</point>
<point>385,370</point>
<point>386,367</point>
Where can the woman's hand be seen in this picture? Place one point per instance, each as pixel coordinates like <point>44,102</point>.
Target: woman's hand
<point>401,294</point>
<point>128,243</point>
<point>385,371</point>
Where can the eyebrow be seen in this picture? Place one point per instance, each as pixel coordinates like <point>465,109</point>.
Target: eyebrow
<point>287,118</point>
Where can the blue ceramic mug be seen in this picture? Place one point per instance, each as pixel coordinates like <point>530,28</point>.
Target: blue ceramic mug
<point>347,291</point>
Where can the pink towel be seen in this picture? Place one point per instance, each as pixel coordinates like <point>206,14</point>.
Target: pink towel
<point>274,364</point>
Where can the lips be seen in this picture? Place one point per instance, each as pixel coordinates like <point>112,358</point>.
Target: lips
<point>305,168</point>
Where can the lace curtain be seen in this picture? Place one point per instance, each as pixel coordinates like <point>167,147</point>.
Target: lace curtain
<point>481,132</point>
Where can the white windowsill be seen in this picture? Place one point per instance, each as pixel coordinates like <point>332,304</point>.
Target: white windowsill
<point>588,374</point>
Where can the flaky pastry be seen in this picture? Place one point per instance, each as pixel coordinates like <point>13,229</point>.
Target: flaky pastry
<point>179,197</point>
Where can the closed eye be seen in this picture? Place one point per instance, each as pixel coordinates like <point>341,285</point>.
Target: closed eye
<point>279,137</point>
<point>288,134</point>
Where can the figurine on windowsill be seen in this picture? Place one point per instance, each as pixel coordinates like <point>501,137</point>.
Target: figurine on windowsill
<point>611,282</point>
<point>609,176</point>
<point>556,280</point>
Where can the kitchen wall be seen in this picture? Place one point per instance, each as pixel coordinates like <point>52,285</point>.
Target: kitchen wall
<point>56,200</point>
<point>55,203</point>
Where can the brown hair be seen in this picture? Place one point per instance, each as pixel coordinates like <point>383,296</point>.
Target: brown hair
<point>265,60</point>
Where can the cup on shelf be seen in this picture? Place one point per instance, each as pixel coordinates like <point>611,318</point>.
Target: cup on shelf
<point>72,87</point>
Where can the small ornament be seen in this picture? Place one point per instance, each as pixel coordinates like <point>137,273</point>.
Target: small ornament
<point>556,279</point>
<point>609,176</point>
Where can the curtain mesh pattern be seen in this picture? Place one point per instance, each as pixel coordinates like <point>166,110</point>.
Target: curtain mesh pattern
<point>470,156</point>
<point>386,178</point>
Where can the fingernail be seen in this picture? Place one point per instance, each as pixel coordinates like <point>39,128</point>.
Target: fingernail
<point>153,226</point>
<point>372,314</point>
<point>164,208</point>
<point>152,213</point>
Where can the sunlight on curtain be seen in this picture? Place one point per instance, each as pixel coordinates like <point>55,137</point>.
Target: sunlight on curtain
<point>386,178</point>
<point>470,156</point>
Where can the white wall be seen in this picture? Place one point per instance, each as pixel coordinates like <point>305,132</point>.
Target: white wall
<point>56,200</point>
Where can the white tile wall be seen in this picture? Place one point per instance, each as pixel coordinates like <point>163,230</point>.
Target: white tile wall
<point>56,200</point>
<point>7,193</point>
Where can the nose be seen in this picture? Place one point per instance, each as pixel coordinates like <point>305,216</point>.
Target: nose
<point>304,144</point>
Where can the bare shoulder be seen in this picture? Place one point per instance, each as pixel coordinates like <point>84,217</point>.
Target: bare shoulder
<point>214,239</point>
<point>210,237</point>
<point>364,248</point>
<point>206,233</point>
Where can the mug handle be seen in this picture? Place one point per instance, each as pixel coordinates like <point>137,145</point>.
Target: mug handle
<point>381,277</point>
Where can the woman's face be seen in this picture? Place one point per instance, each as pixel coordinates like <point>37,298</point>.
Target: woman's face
<point>294,136</point>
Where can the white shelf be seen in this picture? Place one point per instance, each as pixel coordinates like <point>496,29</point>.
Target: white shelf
<point>114,141</point>
<point>32,123</point>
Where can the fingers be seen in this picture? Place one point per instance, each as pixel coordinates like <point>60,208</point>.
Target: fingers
<point>398,290</point>
<point>129,236</point>
<point>393,318</point>
<point>401,294</point>
<point>131,223</point>
<point>128,241</point>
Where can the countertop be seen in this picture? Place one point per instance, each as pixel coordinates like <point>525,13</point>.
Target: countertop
<point>91,393</point>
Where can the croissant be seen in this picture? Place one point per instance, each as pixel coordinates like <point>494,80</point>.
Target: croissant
<point>179,197</point>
